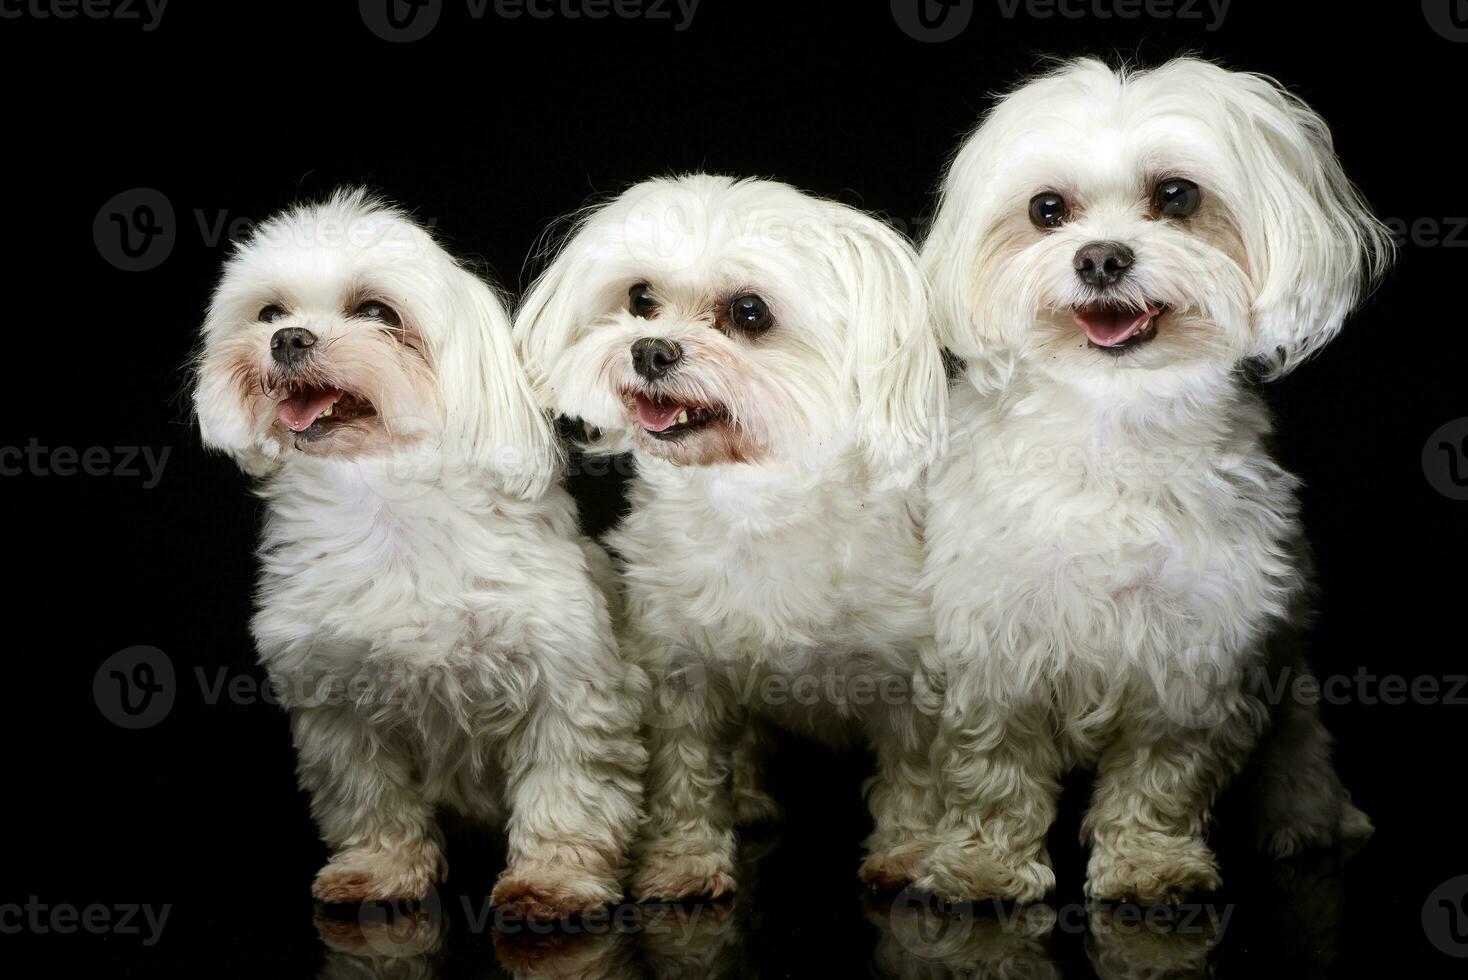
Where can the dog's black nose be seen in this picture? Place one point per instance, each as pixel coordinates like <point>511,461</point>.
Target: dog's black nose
<point>654,357</point>
<point>290,345</point>
<point>1103,264</point>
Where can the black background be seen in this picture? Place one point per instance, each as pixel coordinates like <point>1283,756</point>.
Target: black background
<point>491,128</point>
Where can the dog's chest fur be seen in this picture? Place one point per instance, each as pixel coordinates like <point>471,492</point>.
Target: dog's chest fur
<point>1081,552</point>
<point>773,582</point>
<point>419,603</point>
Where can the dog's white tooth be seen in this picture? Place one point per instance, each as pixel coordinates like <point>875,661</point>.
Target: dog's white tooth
<point>329,410</point>
<point>683,417</point>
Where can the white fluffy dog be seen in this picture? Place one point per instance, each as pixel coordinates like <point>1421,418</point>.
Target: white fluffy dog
<point>1112,551</point>
<point>767,357</point>
<point>426,604</point>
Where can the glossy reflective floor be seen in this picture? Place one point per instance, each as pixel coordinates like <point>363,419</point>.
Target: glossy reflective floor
<point>204,819</point>
<point>1295,931</point>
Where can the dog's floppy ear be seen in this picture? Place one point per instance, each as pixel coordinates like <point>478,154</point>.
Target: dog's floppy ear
<point>1313,245</point>
<point>492,417</point>
<point>545,320</point>
<point>223,420</point>
<point>894,355</point>
<point>219,429</point>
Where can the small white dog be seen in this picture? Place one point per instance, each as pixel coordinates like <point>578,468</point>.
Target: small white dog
<point>1112,551</point>
<point>767,358</point>
<point>426,604</point>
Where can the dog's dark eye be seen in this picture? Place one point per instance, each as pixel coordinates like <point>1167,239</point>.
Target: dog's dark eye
<point>1176,198</point>
<point>377,310</point>
<point>272,313</point>
<point>1048,210</point>
<point>641,302</point>
<point>751,314</point>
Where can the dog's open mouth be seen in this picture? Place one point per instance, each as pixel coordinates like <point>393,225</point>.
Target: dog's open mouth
<point>667,418</point>
<point>1115,329</point>
<point>312,411</point>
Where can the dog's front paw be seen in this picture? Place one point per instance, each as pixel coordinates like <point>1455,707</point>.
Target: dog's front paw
<point>892,866</point>
<point>963,871</point>
<point>357,876</point>
<point>1151,869</point>
<point>544,893</point>
<point>676,870</point>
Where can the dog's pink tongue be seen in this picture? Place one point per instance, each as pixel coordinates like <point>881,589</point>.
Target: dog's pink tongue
<point>1108,327</point>
<point>299,411</point>
<point>656,416</point>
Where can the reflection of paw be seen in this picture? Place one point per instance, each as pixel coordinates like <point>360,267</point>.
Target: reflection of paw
<point>894,866</point>
<point>387,937</point>
<point>676,870</point>
<point>691,940</point>
<point>1121,948</point>
<point>556,955</point>
<point>1151,868</point>
<point>545,894</point>
<point>755,808</point>
<point>918,936</point>
<point>354,877</point>
<point>968,870</point>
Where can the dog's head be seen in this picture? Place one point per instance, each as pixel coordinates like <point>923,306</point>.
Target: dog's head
<point>343,330</point>
<point>708,321</point>
<point>1101,222</point>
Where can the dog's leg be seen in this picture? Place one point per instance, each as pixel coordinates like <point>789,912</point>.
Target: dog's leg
<point>904,795</point>
<point>1000,779</point>
<point>753,804</point>
<point>575,770</point>
<point>384,840</point>
<point>1155,787</point>
<point>1292,795</point>
<point>1289,795</point>
<point>687,847</point>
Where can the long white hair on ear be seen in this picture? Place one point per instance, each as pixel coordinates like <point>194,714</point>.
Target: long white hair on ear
<point>223,427</point>
<point>1313,244</point>
<point>894,355</point>
<point>546,317</point>
<point>493,417</point>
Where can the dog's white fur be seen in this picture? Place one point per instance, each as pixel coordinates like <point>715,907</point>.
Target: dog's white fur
<point>426,604</point>
<point>778,552</point>
<point>1111,547</point>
